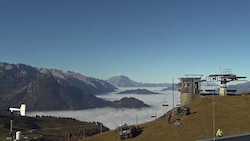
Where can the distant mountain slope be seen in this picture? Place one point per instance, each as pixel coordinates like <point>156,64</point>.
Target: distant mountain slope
<point>48,89</point>
<point>88,84</point>
<point>242,87</point>
<point>124,81</point>
<point>45,91</point>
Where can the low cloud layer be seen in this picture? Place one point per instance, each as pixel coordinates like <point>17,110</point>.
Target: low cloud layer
<point>113,117</point>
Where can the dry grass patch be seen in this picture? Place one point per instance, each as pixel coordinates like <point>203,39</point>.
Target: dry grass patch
<point>231,114</point>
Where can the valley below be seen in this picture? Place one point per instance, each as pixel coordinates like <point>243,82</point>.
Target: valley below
<point>113,117</point>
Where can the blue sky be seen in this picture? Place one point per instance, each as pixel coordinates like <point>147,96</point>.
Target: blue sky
<point>146,40</point>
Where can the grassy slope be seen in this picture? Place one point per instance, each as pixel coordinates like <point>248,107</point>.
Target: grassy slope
<point>232,115</point>
<point>50,127</point>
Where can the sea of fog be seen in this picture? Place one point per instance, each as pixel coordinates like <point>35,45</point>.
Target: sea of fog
<point>113,117</point>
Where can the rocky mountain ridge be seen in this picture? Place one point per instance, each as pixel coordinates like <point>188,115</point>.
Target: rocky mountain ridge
<point>90,84</point>
<point>49,89</point>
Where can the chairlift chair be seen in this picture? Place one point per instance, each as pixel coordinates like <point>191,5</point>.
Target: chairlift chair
<point>164,104</point>
<point>153,115</point>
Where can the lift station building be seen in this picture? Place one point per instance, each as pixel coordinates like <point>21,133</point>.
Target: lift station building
<point>189,88</point>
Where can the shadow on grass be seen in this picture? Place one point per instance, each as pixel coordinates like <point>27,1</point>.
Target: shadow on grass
<point>138,132</point>
<point>178,119</point>
<point>193,112</point>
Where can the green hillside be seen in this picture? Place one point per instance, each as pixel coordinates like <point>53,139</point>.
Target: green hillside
<point>232,115</point>
<point>47,128</point>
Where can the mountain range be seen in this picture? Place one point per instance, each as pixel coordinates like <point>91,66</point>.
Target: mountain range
<point>49,89</point>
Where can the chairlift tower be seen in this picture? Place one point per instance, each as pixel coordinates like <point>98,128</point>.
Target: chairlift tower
<point>225,77</point>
